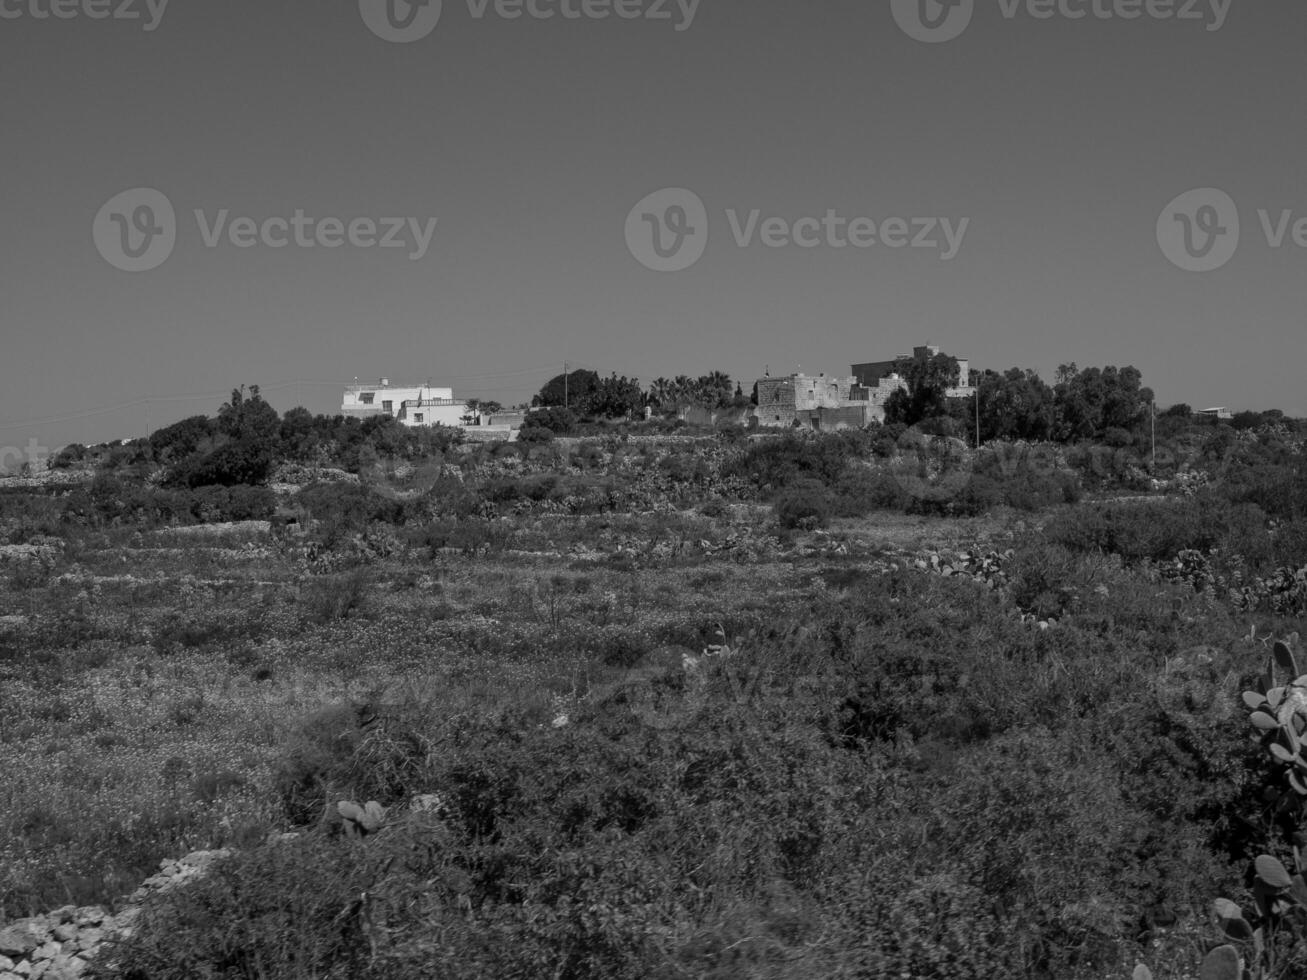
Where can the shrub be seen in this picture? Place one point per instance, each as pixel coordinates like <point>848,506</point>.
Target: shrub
<point>803,507</point>
<point>1154,531</point>
<point>349,506</point>
<point>336,597</point>
<point>70,457</point>
<point>1118,438</point>
<point>861,491</point>
<point>535,434</point>
<point>780,461</point>
<point>242,461</point>
<point>560,421</point>
<point>215,504</point>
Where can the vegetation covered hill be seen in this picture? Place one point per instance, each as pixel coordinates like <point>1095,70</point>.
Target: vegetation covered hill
<point>683,703</point>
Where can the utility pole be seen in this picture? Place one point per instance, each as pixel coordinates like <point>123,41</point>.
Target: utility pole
<point>977,413</point>
<point>1152,421</point>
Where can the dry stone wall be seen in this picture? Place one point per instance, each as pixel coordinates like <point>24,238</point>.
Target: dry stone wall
<point>61,945</point>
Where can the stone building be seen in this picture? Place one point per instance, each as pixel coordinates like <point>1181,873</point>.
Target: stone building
<point>871,374</point>
<point>812,401</point>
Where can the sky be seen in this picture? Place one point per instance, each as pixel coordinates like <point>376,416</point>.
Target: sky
<point>830,184</point>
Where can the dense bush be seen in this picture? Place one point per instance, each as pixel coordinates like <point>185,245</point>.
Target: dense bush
<point>70,456</point>
<point>350,506</point>
<point>803,506</point>
<point>1155,530</point>
<point>243,461</point>
<point>535,433</point>
<point>559,421</point>
<point>777,462</point>
<point>210,505</point>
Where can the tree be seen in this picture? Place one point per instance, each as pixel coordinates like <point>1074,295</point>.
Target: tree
<point>1016,404</point>
<point>1090,402</point>
<point>1065,373</point>
<point>298,434</point>
<point>181,439</point>
<point>249,417</point>
<point>659,392</point>
<point>569,390</point>
<point>613,398</point>
<point>928,378</point>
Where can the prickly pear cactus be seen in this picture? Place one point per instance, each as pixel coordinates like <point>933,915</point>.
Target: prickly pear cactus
<point>359,821</point>
<point>1277,711</point>
<point>1278,714</point>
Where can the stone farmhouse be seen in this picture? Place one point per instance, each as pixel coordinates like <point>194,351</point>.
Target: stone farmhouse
<point>411,405</point>
<point>871,374</point>
<point>828,403</point>
<point>814,401</point>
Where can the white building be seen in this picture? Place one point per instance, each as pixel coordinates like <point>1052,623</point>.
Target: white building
<point>413,405</point>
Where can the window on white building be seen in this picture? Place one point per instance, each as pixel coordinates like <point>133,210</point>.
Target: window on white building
<point>366,398</point>
<point>418,418</point>
<point>387,406</point>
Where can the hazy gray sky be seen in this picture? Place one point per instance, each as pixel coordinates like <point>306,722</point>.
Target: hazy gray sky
<point>1059,140</point>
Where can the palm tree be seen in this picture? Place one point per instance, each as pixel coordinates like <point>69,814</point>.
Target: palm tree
<point>682,388</point>
<point>718,389</point>
<point>659,391</point>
